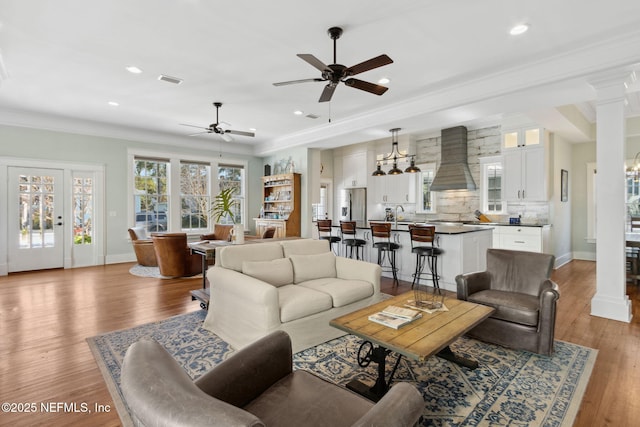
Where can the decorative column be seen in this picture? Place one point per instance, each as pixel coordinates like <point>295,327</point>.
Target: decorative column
<point>610,300</point>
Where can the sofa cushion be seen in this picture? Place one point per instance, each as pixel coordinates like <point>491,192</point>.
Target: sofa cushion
<point>233,256</point>
<point>297,302</point>
<point>316,266</point>
<point>510,306</point>
<point>304,247</point>
<point>343,292</point>
<point>276,272</point>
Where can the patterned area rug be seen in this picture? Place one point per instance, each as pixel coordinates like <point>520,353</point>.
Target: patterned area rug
<point>144,271</point>
<point>510,388</point>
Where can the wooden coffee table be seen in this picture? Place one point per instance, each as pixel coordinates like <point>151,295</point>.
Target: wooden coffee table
<point>420,339</point>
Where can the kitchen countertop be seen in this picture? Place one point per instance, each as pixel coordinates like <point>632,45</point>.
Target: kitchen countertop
<point>466,223</point>
<point>440,228</point>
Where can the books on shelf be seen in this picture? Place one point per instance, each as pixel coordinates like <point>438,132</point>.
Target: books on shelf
<point>395,317</point>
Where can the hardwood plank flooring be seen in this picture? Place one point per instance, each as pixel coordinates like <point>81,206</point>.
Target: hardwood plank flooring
<point>46,316</point>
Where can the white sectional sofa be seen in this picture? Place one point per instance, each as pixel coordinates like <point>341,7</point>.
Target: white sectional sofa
<point>293,285</point>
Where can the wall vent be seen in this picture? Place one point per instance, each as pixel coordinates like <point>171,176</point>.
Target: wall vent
<point>312,116</point>
<point>169,79</point>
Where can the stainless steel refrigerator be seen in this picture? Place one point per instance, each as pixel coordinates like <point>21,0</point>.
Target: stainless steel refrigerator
<point>353,206</point>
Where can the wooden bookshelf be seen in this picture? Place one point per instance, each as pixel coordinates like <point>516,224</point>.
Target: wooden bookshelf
<point>281,205</point>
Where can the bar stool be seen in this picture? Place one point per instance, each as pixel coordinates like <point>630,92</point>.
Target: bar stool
<point>426,253</point>
<point>381,240</point>
<point>325,232</point>
<point>348,234</point>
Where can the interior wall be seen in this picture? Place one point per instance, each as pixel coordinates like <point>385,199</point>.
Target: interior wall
<point>38,144</point>
<point>561,212</point>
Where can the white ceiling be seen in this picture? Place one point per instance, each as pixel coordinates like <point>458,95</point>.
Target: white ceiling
<point>454,63</point>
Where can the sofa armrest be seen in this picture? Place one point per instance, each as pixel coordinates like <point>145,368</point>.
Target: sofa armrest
<point>402,406</point>
<point>470,283</point>
<point>351,269</point>
<point>549,294</point>
<point>251,371</point>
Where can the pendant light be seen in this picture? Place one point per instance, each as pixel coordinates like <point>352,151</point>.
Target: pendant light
<point>395,155</point>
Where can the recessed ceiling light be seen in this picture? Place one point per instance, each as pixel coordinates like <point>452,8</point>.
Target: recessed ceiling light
<point>133,69</point>
<point>519,29</point>
<point>298,112</point>
<point>253,129</point>
<point>384,81</point>
<point>113,103</point>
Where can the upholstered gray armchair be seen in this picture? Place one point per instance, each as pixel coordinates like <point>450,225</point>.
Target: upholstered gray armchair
<point>518,285</point>
<point>254,387</point>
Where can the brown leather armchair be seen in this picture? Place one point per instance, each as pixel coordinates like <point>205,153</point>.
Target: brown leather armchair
<point>143,247</point>
<point>518,285</point>
<point>220,232</point>
<point>174,256</point>
<point>255,387</point>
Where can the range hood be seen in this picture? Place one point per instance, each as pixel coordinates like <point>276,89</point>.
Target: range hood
<point>453,173</point>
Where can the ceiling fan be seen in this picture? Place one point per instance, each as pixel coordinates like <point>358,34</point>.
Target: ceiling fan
<point>219,127</point>
<point>336,73</point>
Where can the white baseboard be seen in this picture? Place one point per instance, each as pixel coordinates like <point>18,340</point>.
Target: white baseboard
<point>562,260</point>
<point>120,258</point>
<point>586,256</point>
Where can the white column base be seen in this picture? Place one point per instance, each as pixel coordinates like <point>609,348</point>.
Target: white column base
<point>611,308</point>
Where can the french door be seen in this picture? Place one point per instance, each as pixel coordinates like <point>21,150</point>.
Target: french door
<point>36,213</point>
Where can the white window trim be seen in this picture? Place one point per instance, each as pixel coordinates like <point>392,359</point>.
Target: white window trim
<point>484,181</point>
<point>419,201</point>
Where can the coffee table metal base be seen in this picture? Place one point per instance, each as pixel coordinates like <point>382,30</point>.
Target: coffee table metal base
<point>369,353</point>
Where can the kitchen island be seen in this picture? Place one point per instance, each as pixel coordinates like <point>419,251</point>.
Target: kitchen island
<point>464,250</point>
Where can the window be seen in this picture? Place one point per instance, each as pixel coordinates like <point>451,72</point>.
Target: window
<point>426,199</point>
<point>194,195</point>
<point>232,176</point>
<point>491,173</point>
<point>151,193</point>
<point>82,209</point>
<point>173,193</point>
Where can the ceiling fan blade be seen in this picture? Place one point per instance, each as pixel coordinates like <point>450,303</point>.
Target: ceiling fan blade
<point>239,132</point>
<point>194,126</point>
<point>292,82</point>
<point>370,64</point>
<point>327,93</point>
<point>314,61</point>
<point>226,137</point>
<point>199,133</point>
<point>366,86</point>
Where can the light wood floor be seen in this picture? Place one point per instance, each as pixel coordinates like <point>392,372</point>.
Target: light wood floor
<point>46,316</point>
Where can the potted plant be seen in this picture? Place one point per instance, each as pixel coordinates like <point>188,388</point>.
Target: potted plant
<point>223,206</point>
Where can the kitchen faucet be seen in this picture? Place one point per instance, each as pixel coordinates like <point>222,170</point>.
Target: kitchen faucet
<point>396,217</point>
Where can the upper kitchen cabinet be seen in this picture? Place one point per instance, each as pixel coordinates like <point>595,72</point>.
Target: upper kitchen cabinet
<point>355,170</point>
<point>526,170</point>
<point>527,137</point>
<point>395,188</point>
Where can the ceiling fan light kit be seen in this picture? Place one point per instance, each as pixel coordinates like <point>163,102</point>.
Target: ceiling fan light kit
<point>394,156</point>
<point>336,73</point>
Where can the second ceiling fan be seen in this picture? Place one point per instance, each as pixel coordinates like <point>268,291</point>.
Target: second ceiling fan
<point>336,73</point>
<point>219,127</point>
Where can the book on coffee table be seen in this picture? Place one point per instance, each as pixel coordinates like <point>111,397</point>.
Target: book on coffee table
<point>392,321</point>
<point>402,312</point>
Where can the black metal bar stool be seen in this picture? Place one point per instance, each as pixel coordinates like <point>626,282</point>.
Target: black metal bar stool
<point>325,232</point>
<point>348,234</point>
<point>422,238</point>
<point>381,240</point>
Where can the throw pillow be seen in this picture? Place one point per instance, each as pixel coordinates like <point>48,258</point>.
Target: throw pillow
<point>277,272</point>
<point>316,266</point>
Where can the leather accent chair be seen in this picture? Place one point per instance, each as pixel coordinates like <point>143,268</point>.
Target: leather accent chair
<point>255,387</point>
<point>143,247</point>
<point>269,232</point>
<point>518,285</point>
<point>220,232</point>
<point>174,256</point>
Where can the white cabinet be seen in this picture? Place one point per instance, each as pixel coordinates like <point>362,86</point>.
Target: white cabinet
<point>395,188</point>
<point>522,238</point>
<point>526,172</point>
<point>354,170</point>
<point>525,175</point>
